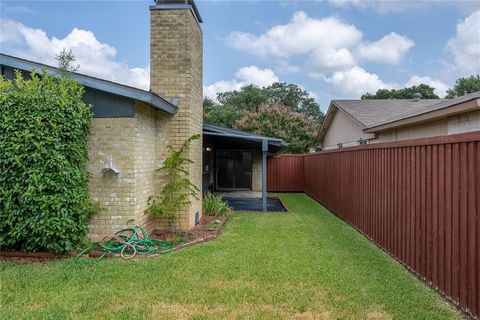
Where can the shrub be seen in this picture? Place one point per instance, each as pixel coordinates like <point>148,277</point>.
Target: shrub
<point>44,199</point>
<point>215,206</point>
<point>177,188</point>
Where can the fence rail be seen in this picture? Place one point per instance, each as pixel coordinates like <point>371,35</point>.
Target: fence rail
<point>419,200</point>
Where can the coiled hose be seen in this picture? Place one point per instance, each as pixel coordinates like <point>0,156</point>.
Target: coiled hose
<point>128,243</point>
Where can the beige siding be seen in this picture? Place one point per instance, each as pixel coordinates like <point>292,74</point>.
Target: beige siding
<point>424,130</point>
<point>466,122</point>
<point>345,130</point>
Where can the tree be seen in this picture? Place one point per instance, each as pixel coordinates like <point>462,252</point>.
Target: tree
<point>232,105</point>
<point>464,86</point>
<point>216,114</point>
<point>297,99</point>
<point>248,98</point>
<point>65,59</point>
<point>425,90</point>
<point>279,121</point>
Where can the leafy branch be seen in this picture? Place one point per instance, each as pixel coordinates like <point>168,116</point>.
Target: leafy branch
<point>177,189</point>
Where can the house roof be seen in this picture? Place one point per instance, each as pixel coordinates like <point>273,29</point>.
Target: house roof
<point>377,115</point>
<point>156,101</point>
<point>430,111</point>
<point>213,130</point>
<point>372,112</point>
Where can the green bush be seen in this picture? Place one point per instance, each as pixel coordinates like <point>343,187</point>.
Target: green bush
<point>44,199</point>
<point>177,189</point>
<point>215,206</point>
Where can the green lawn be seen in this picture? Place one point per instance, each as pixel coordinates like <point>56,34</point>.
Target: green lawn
<point>306,264</point>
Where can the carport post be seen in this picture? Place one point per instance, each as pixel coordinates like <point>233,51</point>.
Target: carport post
<point>264,173</point>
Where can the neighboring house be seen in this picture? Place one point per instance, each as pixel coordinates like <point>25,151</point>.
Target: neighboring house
<point>354,122</point>
<point>132,127</point>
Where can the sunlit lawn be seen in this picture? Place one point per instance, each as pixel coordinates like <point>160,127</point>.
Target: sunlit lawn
<point>302,264</point>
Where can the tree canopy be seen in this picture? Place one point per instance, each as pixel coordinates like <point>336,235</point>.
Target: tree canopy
<point>464,86</point>
<point>232,104</point>
<point>271,107</point>
<point>277,120</point>
<point>426,91</point>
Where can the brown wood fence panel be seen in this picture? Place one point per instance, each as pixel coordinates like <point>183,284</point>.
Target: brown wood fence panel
<point>285,173</point>
<point>418,199</point>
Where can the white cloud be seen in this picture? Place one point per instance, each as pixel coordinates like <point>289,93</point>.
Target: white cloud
<point>354,82</point>
<point>244,76</point>
<point>304,36</point>
<point>379,6</point>
<point>94,57</point>
<point>465,46</point>
<point>440,86</point>
<point>332,59</point>
<point>389,49</point>
<point>326,45</point>
<point>385,6</point>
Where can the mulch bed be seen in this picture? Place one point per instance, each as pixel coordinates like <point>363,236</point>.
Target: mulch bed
<point>32,256</point>
<point>209,228</point>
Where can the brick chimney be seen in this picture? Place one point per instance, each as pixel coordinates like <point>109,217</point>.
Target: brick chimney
<point>176,71</point>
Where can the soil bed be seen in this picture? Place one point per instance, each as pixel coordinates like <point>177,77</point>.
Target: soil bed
<point>208,228</point>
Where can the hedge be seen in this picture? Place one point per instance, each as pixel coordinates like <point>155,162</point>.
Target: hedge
<point>44,199</point>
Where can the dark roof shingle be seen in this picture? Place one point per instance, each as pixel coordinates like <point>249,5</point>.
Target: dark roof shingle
<point>372,113</point>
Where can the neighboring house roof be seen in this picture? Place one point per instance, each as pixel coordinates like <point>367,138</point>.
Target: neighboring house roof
<point>156,101</point>
<point>210,129</point>
<point>377,115</point>
<point>371,112</point>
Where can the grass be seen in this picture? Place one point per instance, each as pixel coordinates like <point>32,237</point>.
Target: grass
<point>306,264</point>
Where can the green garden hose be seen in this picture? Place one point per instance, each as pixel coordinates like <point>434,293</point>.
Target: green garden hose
<point>128,242</point>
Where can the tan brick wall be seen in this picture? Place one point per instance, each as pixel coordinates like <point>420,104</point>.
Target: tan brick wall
<point>176,70</point>
<point>112,138</point>
<point>145,162</point>
<point>256,170</point>
<point>137,146</point>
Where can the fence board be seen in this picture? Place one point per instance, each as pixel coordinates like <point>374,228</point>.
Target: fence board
<point>419,200</point>
<point>285,174</point>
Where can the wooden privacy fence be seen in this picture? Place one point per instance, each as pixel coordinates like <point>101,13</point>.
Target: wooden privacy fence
<point>418,199</point>
<point>285,173</point>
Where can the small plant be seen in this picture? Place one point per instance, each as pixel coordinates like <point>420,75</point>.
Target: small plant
<point>215,206</point>
<point>177,189</point>
<point>213,226</point>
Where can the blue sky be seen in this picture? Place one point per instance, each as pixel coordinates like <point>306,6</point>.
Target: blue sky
<point>333,48</point>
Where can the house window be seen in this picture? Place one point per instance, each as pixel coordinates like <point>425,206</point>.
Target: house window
<point>362,141</point>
